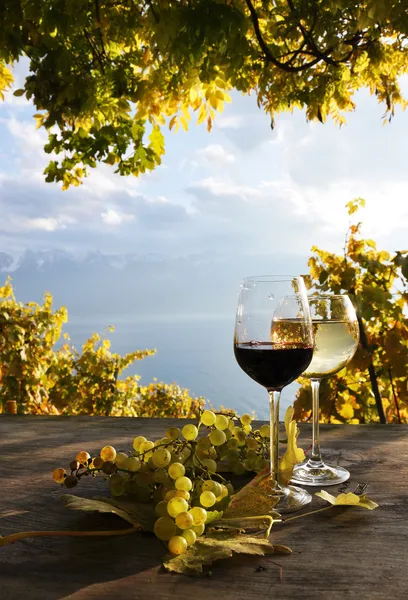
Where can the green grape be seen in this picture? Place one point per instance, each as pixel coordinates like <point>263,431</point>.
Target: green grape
<point>173,433</point>
<point>143,467</point>
<point>138,441</point>
<point>165,440</point>
<point>144,479</point>
<point>238,468</point>
<point>190,536</point>
<point>207,499</point>
<point>117,485</point>
<point>59,475</point>
<point>132,464</point>
<point>108,453</point>
<point>161,509</point>
<point>232,444</point>
<point>223,450</point>
<point>208,418</point>
<point>252,454</point>
<point>170,494</point>
<point>233,455</point>
<point>247,428</point>
<point>261,464</point>
<point>161,457</point>
<point>204,443</point>
<point>230,489</point>
<point>109,467</point>
<point>221,422</point>
<point>265,431</point>
<point>246,419</point>
<point>121,459</point>
<point>212,453</point>
<point>201,454</point>
<point>184,520</point>
<point>184,483</point>
<point>224,492</point>
<point>164,528</point>
<point>240,436</point>
<point>70,481</point>
<point>176,470</point>
<point>190,432</point>
<point>183,494</point>
<point>176,506</point>
<point>217,437</point>
<point>83,457</point>
<point>74,465</point>
<point>252,444</point>
<point>231,424</point>
<point>199,515</point>
<point>157,443</point>
<point>160,476</point>
<point>98,462</point>
<point>186,452</point>
<point>176,458</point>
<point>198,529</point>
<point>177,544</point>
<point>144,449</point>
<point>249,464</point>
<point>211,486</point>
<point>210,464</point>
<point>228,433</point>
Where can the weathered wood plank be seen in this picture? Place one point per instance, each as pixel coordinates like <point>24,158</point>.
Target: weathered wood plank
<point>351,553</point>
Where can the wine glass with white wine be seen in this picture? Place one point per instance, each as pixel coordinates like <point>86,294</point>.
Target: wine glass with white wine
<point>336,335</point>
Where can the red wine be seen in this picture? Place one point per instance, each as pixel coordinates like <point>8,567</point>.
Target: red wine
<point>271,365</point>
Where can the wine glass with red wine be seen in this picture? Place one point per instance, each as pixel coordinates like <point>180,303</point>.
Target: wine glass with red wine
<point>273,344</point>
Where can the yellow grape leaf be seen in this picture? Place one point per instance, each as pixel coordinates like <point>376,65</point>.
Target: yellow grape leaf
<point>172,122</point>
<point>202,114</point>
<point>257,498</point>
<point>349,499</point>
<point>293,454</point>
<point>209,124</point>
<point>216,546</point>
<point>184,123</point>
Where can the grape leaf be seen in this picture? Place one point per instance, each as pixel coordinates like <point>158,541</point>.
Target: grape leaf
<point>256,498</point>
<point>213,515</point>
<point>139,515</point>
<point>293,454</point>
<point>349,499</point>
<point>216,546</point>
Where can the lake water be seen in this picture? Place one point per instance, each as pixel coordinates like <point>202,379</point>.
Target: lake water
<point>196,352</point>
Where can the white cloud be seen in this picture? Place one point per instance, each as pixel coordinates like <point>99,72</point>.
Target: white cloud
<point>215,155</point>
<point>25,132</point>
<point>229,122</point>
<point>115,217</point>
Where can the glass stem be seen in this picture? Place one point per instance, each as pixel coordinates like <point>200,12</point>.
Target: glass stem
<point>316,455</point>
<point>274,400</point>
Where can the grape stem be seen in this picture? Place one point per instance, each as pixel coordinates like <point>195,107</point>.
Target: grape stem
<point>14,537</point>
<point>312,512</point>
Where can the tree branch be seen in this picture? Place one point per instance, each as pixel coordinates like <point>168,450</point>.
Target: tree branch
<point>371,371</point>
<point>267,53</point>
<point>395,396</point>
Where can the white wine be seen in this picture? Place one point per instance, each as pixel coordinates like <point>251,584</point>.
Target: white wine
<point>335,344</point>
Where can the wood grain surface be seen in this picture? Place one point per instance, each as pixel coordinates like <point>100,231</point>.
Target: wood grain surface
<point>339,554</point>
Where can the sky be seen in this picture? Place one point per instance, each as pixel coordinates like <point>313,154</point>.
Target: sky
<point>243,187</point>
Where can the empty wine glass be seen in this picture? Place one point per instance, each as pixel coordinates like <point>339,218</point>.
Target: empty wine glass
<point>336,333</point>
<point>273,344</point>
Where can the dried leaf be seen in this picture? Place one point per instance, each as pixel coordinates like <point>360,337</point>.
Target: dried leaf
<point>349,499</point>
<point>137,514</point>
<point>257,498</point>
<point>293,454</point>
<point>216,546</point>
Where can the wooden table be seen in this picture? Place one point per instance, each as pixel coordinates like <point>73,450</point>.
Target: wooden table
<point>347,553</point>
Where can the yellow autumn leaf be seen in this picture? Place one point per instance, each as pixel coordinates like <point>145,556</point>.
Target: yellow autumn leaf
<point>348,499</point>
<point>202,114</point>
<point>293,454</point>
<point>184,123</point>
<point>347,411</point>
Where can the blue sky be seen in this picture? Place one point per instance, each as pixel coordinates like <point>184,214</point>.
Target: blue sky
<point>242,186</point>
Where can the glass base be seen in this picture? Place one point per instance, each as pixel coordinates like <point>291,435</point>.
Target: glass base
<point>317,473</point>
<point>293,498</point>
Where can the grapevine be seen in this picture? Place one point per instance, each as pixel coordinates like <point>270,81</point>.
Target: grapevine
<point>181,473</point>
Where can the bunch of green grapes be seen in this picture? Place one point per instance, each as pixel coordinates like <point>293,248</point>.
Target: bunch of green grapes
<point>180,473</point>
